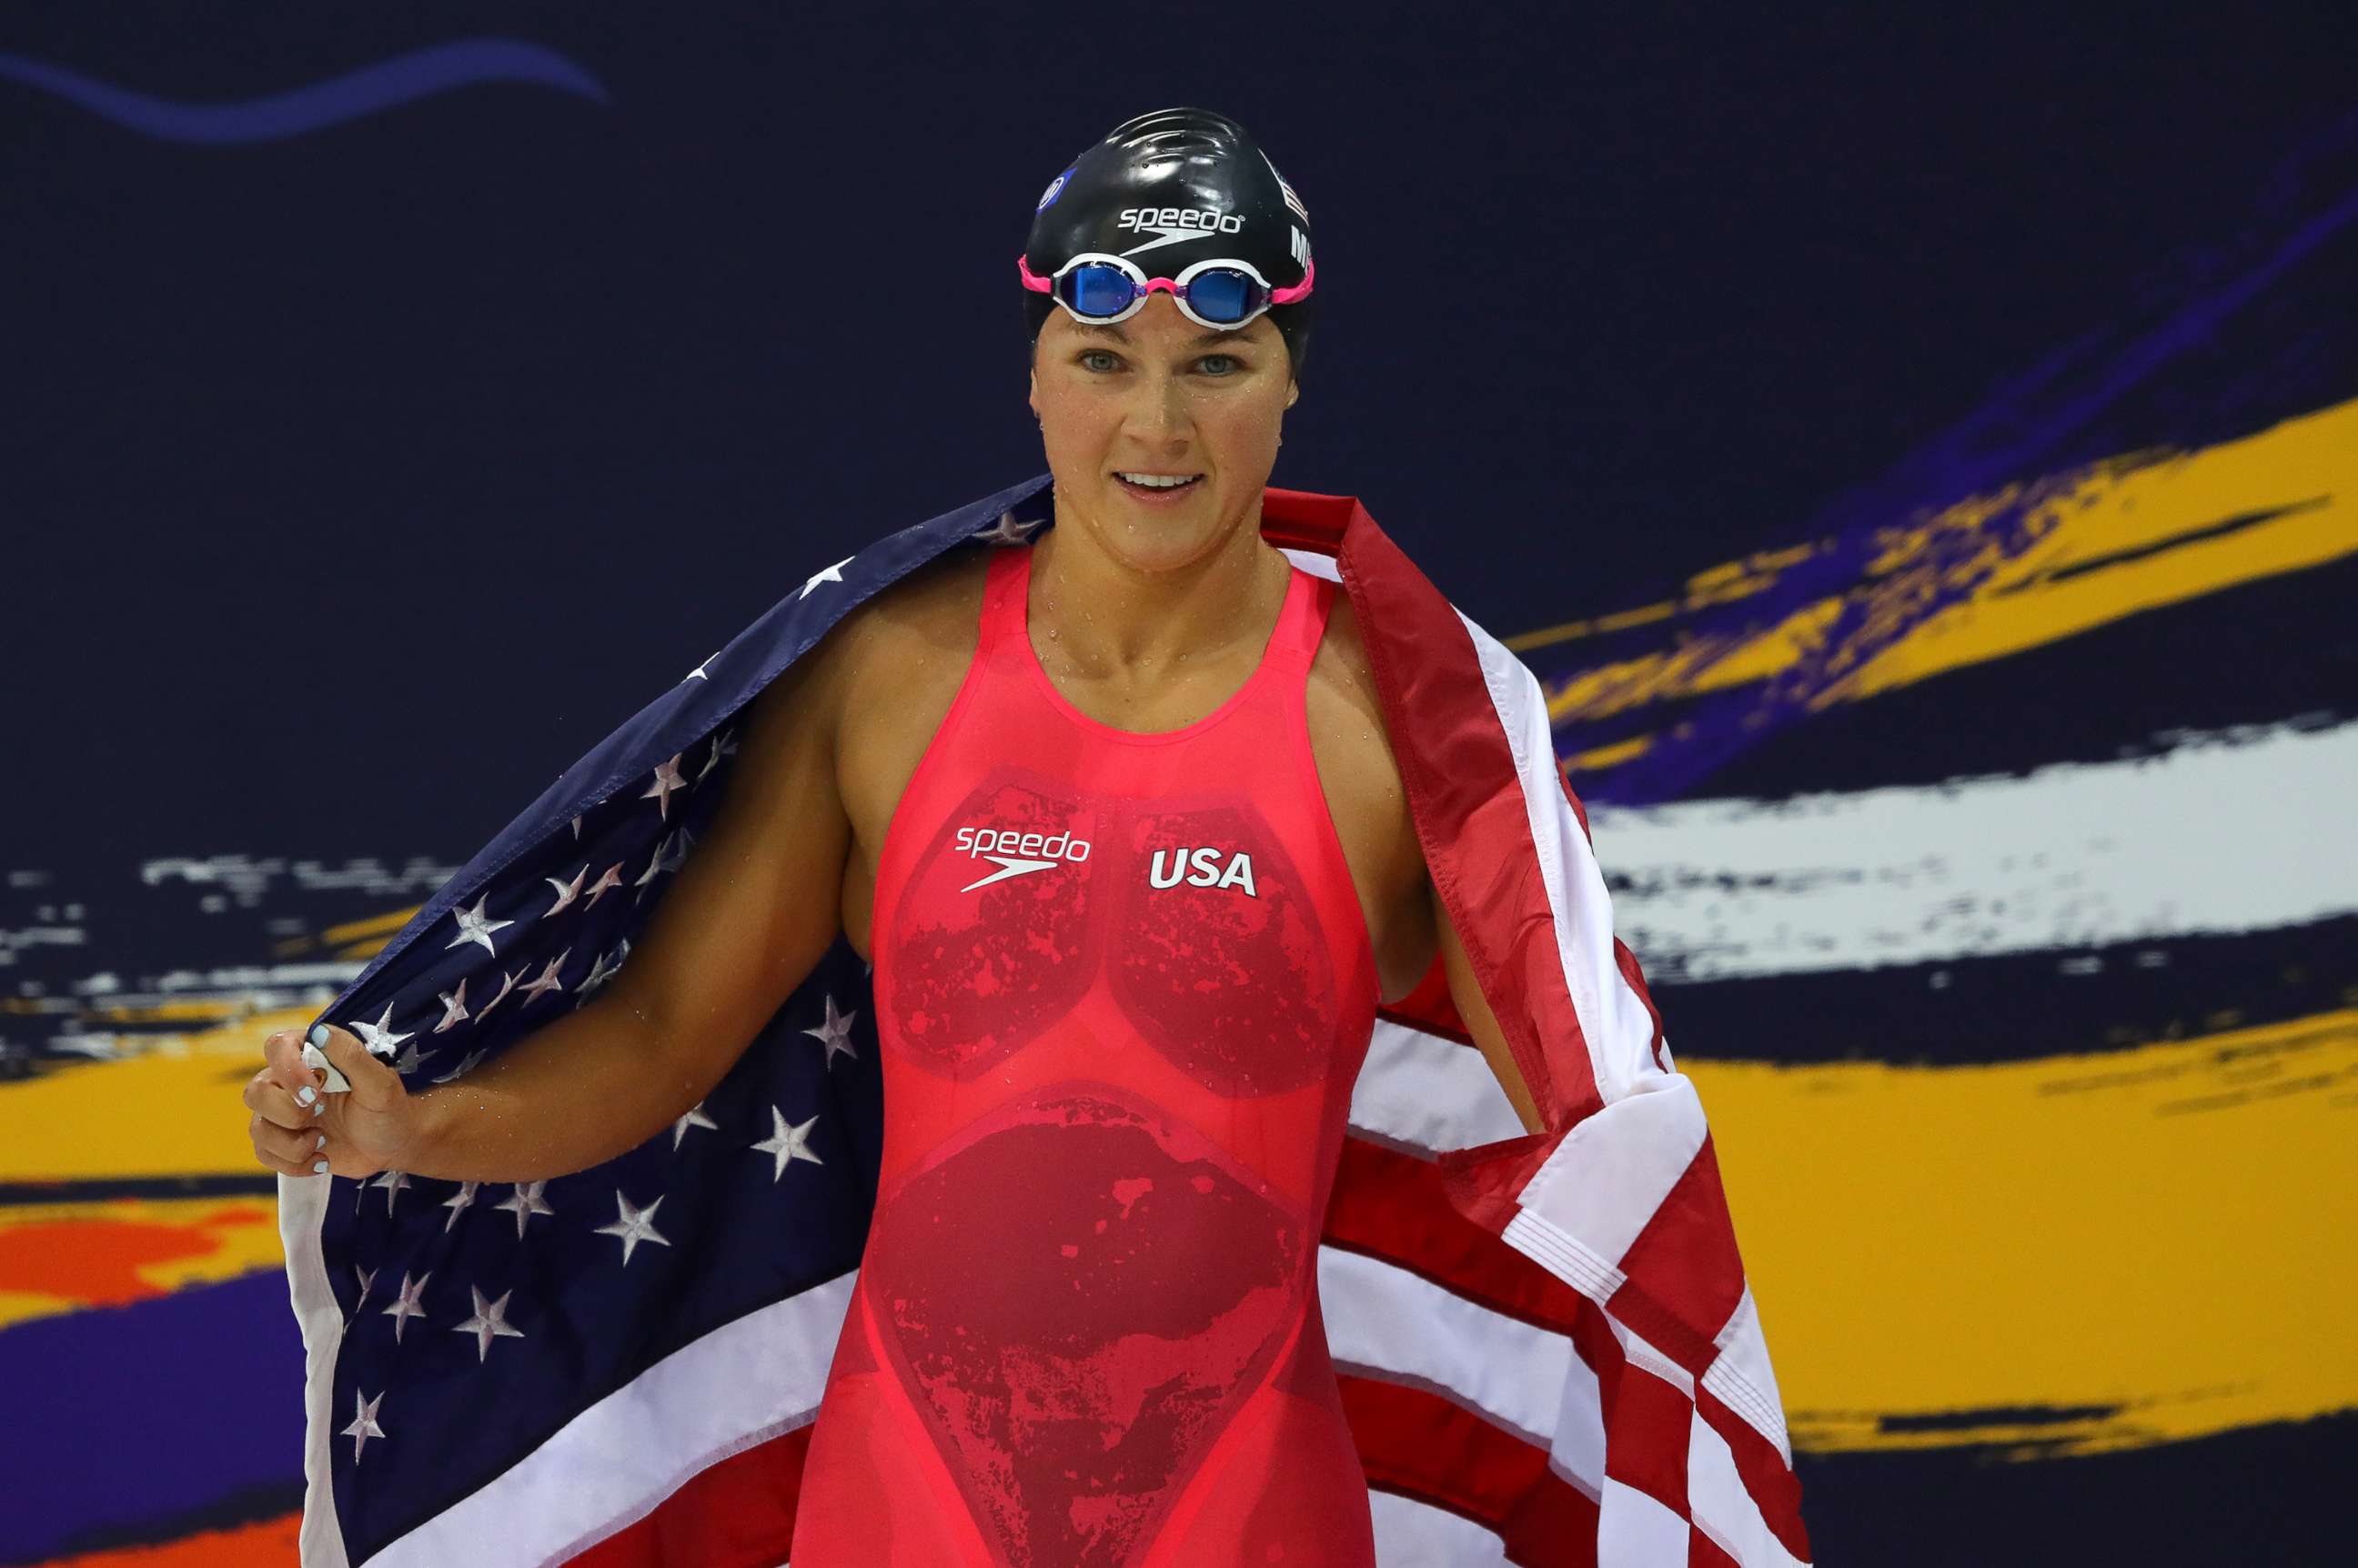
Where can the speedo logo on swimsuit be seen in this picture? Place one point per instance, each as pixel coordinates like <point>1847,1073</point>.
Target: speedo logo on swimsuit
<point>1206,873</point>
<point>1209,219</point>
<point>1017,854</point>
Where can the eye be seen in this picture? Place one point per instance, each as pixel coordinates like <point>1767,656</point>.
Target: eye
<point>1085,355</point>
<point>1229,361</point>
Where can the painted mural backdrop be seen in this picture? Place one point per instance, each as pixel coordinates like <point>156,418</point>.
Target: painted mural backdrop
<point>1983,811</point>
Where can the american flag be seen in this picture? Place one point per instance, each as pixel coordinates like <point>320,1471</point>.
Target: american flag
<point>1546,1343</point>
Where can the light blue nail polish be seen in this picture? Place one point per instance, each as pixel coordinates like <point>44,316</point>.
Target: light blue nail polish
<point>306,1095</point>
<point>319,1036</point>
<point>320,1168</point>
<point>322,1143</point>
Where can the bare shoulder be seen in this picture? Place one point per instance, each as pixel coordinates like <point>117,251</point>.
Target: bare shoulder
<point>1361,779</point>
<point>920,623</point>
<point>1342,694</point>
<point>895,669</point>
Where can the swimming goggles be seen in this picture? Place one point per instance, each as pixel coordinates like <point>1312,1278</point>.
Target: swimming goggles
<point>1100,289</point>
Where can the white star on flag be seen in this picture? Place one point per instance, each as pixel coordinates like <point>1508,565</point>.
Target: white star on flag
<point>466,1064</point>
<point>457,1203</point>
<point>489,1323</point>
<point>565,892</point>
<point>1006,530</point>
<point>454,1006</point>
<point>364,1425</point>
<point>507,984</point>
<point>695,1118</point>
<point>601,972</point>
<point>612,878</point>
<point>724,744</point>
<point>474,927</point>
<point>833,574</point>
<point>392,1182</point>
<point>667,779</point>
<point>378,1037</point>
<point>547,980</point>
<point>367,1277</point>
<point>658,863</point>
<point>634,1225</point>
<point>407,1305</point>
<point>787,1144</point>
<point>527,1202</point>
<point>411,1059</point>
<point>698,673</point>
<point>836,1032</point>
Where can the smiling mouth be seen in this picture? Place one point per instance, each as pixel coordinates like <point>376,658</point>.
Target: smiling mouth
<point>1164,488</point>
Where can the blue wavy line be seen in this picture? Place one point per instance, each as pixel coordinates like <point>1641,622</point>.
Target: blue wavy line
<point>404,78</point>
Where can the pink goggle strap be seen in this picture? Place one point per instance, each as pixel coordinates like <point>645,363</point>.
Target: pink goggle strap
<point>1287,295</point>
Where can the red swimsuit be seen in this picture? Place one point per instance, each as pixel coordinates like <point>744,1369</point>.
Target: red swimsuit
<point>1123,987</point>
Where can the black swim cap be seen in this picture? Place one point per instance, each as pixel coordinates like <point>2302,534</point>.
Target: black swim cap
<point>1176,186</point>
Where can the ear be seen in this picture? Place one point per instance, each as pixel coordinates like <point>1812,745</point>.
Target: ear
<point>1031,392</point>
<point>1292,391</point>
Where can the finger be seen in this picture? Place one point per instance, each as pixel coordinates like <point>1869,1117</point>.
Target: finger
<point>273,1103</point>
<point>283,1053</point>
<point>374,1084</point>
<point>290,1152</point>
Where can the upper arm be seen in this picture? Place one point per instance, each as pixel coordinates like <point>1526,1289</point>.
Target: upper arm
<point>1480,1021</point>
<point>756,904</point>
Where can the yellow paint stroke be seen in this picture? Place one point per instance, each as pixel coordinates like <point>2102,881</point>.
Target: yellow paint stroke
<point>174,1110</point>
<point>354,938</point>
<point>2136,533</point>
<point>2168,1229</point>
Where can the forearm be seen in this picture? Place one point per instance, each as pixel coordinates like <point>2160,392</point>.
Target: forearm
<point>588,1086</point>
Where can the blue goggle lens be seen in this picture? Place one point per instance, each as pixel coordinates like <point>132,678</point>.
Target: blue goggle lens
<point>1220,294</point>
<point>1095,289</point>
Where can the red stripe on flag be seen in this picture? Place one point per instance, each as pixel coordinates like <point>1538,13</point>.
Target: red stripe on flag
<point>1636,978</point>
<point>1648,1423</point>
<point>1702,1554</point>
<point>1394,1207</point>
<point>1685,1276</point>
<point>1460,773</point>
<point>1422,1445</point>
<point>1762,1469</point>
<point>739,1513</point>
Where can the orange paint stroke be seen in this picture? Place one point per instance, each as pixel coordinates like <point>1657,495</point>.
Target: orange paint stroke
<point>98,1260</point>
<point>269,1544</point>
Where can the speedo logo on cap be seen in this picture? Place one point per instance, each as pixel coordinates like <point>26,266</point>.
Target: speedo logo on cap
<point>1207,220</point>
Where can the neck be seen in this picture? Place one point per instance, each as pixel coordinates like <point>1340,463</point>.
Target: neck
<point>1111,616</point>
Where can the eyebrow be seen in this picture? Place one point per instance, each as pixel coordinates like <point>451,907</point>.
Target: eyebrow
<point>1113,331</point>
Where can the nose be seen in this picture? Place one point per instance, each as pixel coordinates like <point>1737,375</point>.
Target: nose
<point>1158,415</point>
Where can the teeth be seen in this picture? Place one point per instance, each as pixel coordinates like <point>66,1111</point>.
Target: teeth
<point>1161,481</point>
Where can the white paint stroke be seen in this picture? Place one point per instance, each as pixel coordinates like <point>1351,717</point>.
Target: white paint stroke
<point>2228,833</point>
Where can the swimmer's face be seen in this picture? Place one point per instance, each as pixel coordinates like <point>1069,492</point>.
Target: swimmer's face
<point>1161,394</point>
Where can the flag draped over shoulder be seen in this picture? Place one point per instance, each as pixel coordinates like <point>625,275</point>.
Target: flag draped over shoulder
<point>1546,1345</point>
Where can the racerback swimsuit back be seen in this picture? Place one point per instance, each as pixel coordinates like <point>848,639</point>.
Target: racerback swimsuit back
<point>1124,987</point>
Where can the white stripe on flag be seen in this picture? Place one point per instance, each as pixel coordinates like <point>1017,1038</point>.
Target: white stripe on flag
<point>1620,1030</point>
<point>1387,1323</point>
<point>1633,1530</point>
<point>1424,1093</point>
<point>1413,1534</point>
<point>1724,1507</point>
<point>302,1203</point>
<point>608,1468</point>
